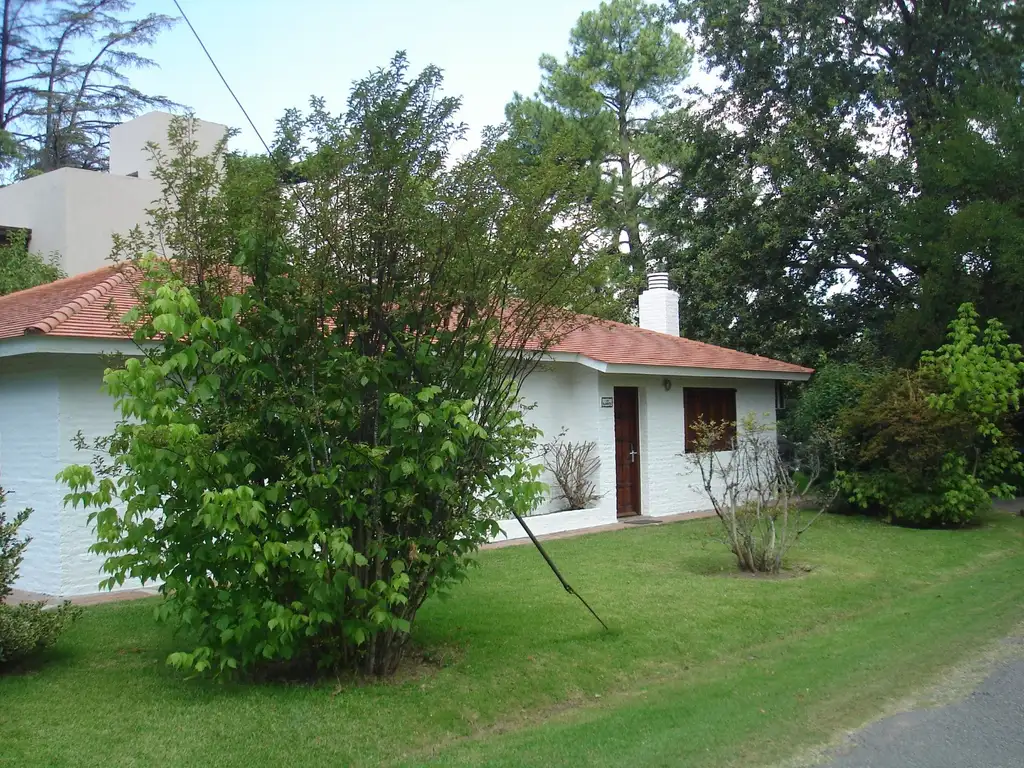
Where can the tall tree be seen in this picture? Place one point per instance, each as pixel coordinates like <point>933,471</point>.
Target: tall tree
<point>836,194</point>
<point>624,63</point>
<point>64,79</point>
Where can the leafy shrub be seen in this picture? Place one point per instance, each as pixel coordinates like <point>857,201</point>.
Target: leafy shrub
<point>758,498</point>
<point>26,627</point>
<point>20,269</point>
<point>932,447</point>
<point>325,424</point>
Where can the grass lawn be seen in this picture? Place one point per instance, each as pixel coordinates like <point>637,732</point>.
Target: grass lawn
<point>700,668</point>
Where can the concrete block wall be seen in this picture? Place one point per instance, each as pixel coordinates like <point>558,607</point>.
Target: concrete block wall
<point>29,434</point>
<point>85,407</point>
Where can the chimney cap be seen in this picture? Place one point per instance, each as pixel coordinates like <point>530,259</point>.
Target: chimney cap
<point>657,280</point>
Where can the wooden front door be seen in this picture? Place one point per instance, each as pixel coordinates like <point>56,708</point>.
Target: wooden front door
<point>627,451</point>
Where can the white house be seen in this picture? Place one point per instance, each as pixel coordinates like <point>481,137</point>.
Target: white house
<point>631,391</point>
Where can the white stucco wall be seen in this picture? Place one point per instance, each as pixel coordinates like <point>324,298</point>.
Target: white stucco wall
<point>128,151</point>
<point>74,213</point>
<point>29,436</point>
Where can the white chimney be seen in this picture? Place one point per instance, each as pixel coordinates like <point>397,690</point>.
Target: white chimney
<point>659,305</point>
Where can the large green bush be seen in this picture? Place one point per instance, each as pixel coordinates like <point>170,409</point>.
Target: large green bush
<point>26,627</point>
<point>325,424</point>
<point>932,446</point>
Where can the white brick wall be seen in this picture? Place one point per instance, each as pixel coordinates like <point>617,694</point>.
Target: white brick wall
<point>85,407</point>
<point>29,408</point>
<point>659,311</point>
<point>563,397</point>
<point>46,399</point>
<point>569,396</point>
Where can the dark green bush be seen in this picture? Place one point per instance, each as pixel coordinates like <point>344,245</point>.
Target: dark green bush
<point>835,387</point>
<point>810,429</point>
<point>27,627</point>
<point>897,448</point>
<point>933,446</point>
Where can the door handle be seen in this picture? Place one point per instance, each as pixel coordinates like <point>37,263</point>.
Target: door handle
<point>632,454</point>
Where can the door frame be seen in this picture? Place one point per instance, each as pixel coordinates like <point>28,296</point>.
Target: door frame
<point>638,471</point>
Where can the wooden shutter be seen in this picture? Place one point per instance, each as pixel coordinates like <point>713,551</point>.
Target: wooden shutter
<point>709,404</point>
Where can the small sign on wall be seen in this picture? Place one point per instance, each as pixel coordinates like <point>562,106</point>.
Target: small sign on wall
<point>607,402</point>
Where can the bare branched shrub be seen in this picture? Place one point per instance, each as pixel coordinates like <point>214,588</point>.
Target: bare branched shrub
<point>574,467</point>
<point>760,500</point>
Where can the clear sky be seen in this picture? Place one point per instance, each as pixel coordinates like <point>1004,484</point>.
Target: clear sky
<point>276,53</point>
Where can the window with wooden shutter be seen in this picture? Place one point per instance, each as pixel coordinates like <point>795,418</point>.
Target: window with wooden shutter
<point>708,405</point>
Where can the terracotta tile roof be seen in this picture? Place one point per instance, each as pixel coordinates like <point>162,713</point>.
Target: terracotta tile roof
<point>79,307</point>
<point>76,306</point>
<point>621,344</point>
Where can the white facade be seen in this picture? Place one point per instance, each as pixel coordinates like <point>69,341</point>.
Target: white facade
<point>74,214</point>
<point>129,154</point>
<point>45,400</point>
<point>572,400</point>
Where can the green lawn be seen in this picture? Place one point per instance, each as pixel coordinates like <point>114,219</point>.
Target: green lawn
<point>700,668</point>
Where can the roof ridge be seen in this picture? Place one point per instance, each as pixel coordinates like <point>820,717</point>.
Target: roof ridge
<point>76,305</point>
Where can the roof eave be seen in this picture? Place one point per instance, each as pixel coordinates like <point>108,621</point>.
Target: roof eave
<point>671,371</point>
<point>41,343</point>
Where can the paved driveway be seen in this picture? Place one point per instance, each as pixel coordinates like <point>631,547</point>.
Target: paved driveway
<point>986,730</point>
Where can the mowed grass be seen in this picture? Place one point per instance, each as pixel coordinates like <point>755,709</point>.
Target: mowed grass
<point>700,668</point>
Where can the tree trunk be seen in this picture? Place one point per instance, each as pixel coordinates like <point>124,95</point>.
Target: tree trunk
<point>630,215</point>
<point>5,55</point>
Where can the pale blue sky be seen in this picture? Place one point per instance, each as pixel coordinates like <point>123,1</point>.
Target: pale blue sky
<point>276,53</point>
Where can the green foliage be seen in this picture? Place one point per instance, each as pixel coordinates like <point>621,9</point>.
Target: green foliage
<point>835,387</point>
<point>11,547</point>
<point>624,64</point>
<point>856,178</point>
<point>325,425</point>
<point>64,80</point>
<point>932,447</point>
<point>20,269</point>
<point>26,627</point>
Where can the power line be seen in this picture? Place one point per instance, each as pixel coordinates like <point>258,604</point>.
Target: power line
<point>547,558</point>
<point>221,76</point>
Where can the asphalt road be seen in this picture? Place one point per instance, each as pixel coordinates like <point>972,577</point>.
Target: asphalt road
<point>985,730</point>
